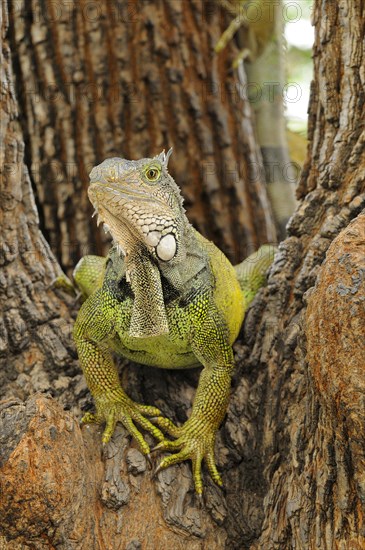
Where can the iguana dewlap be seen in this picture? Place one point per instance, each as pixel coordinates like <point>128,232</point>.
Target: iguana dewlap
<point>165,297</point>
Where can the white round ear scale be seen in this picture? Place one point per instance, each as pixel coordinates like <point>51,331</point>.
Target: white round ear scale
<point>166,248</point>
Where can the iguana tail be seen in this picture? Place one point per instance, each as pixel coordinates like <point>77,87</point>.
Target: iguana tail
<point>251,273</point>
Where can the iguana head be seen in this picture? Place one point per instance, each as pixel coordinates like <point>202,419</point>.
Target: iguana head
<point>139,204</point>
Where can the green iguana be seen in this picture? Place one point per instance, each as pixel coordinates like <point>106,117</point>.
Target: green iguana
<point>166,297</point>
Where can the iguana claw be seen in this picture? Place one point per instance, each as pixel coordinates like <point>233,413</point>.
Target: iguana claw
<point>195,443</point>
<point>127,412</point>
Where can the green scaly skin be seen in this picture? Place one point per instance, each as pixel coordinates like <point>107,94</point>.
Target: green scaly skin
<point>169,303</point>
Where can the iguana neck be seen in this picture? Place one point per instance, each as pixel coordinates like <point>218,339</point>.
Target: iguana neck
<point>192,258</point>
<point>147,277</point>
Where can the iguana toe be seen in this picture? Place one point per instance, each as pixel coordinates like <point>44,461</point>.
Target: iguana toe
<point>113,410</point>
<point>192,445</point>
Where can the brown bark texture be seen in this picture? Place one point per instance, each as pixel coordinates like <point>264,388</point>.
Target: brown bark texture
<point>128,79</point>
<point>291,448</point>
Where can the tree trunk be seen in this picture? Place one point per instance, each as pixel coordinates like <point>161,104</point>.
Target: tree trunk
<point>267,87</point>
<point>258,28</point>
<point>310,337</point>
<point>291,448</point>
<point>129,79</point>
<point>35,343</point>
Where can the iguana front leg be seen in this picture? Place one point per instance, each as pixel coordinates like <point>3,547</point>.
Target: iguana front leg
<point>95,326</point>
<point>195,439</point>
<point>89,273</point>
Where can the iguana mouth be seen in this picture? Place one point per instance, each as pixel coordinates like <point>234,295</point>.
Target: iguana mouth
<point>99,192</point>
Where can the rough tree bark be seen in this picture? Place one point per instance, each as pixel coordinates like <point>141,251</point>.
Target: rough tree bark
<point>291,448</point>
<point>102,79</point>
<point>313,403</point>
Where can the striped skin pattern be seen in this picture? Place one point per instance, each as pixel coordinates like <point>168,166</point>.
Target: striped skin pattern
<point>173,302</point>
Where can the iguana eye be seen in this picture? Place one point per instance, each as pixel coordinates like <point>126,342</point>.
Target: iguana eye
<point>153,173</point>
